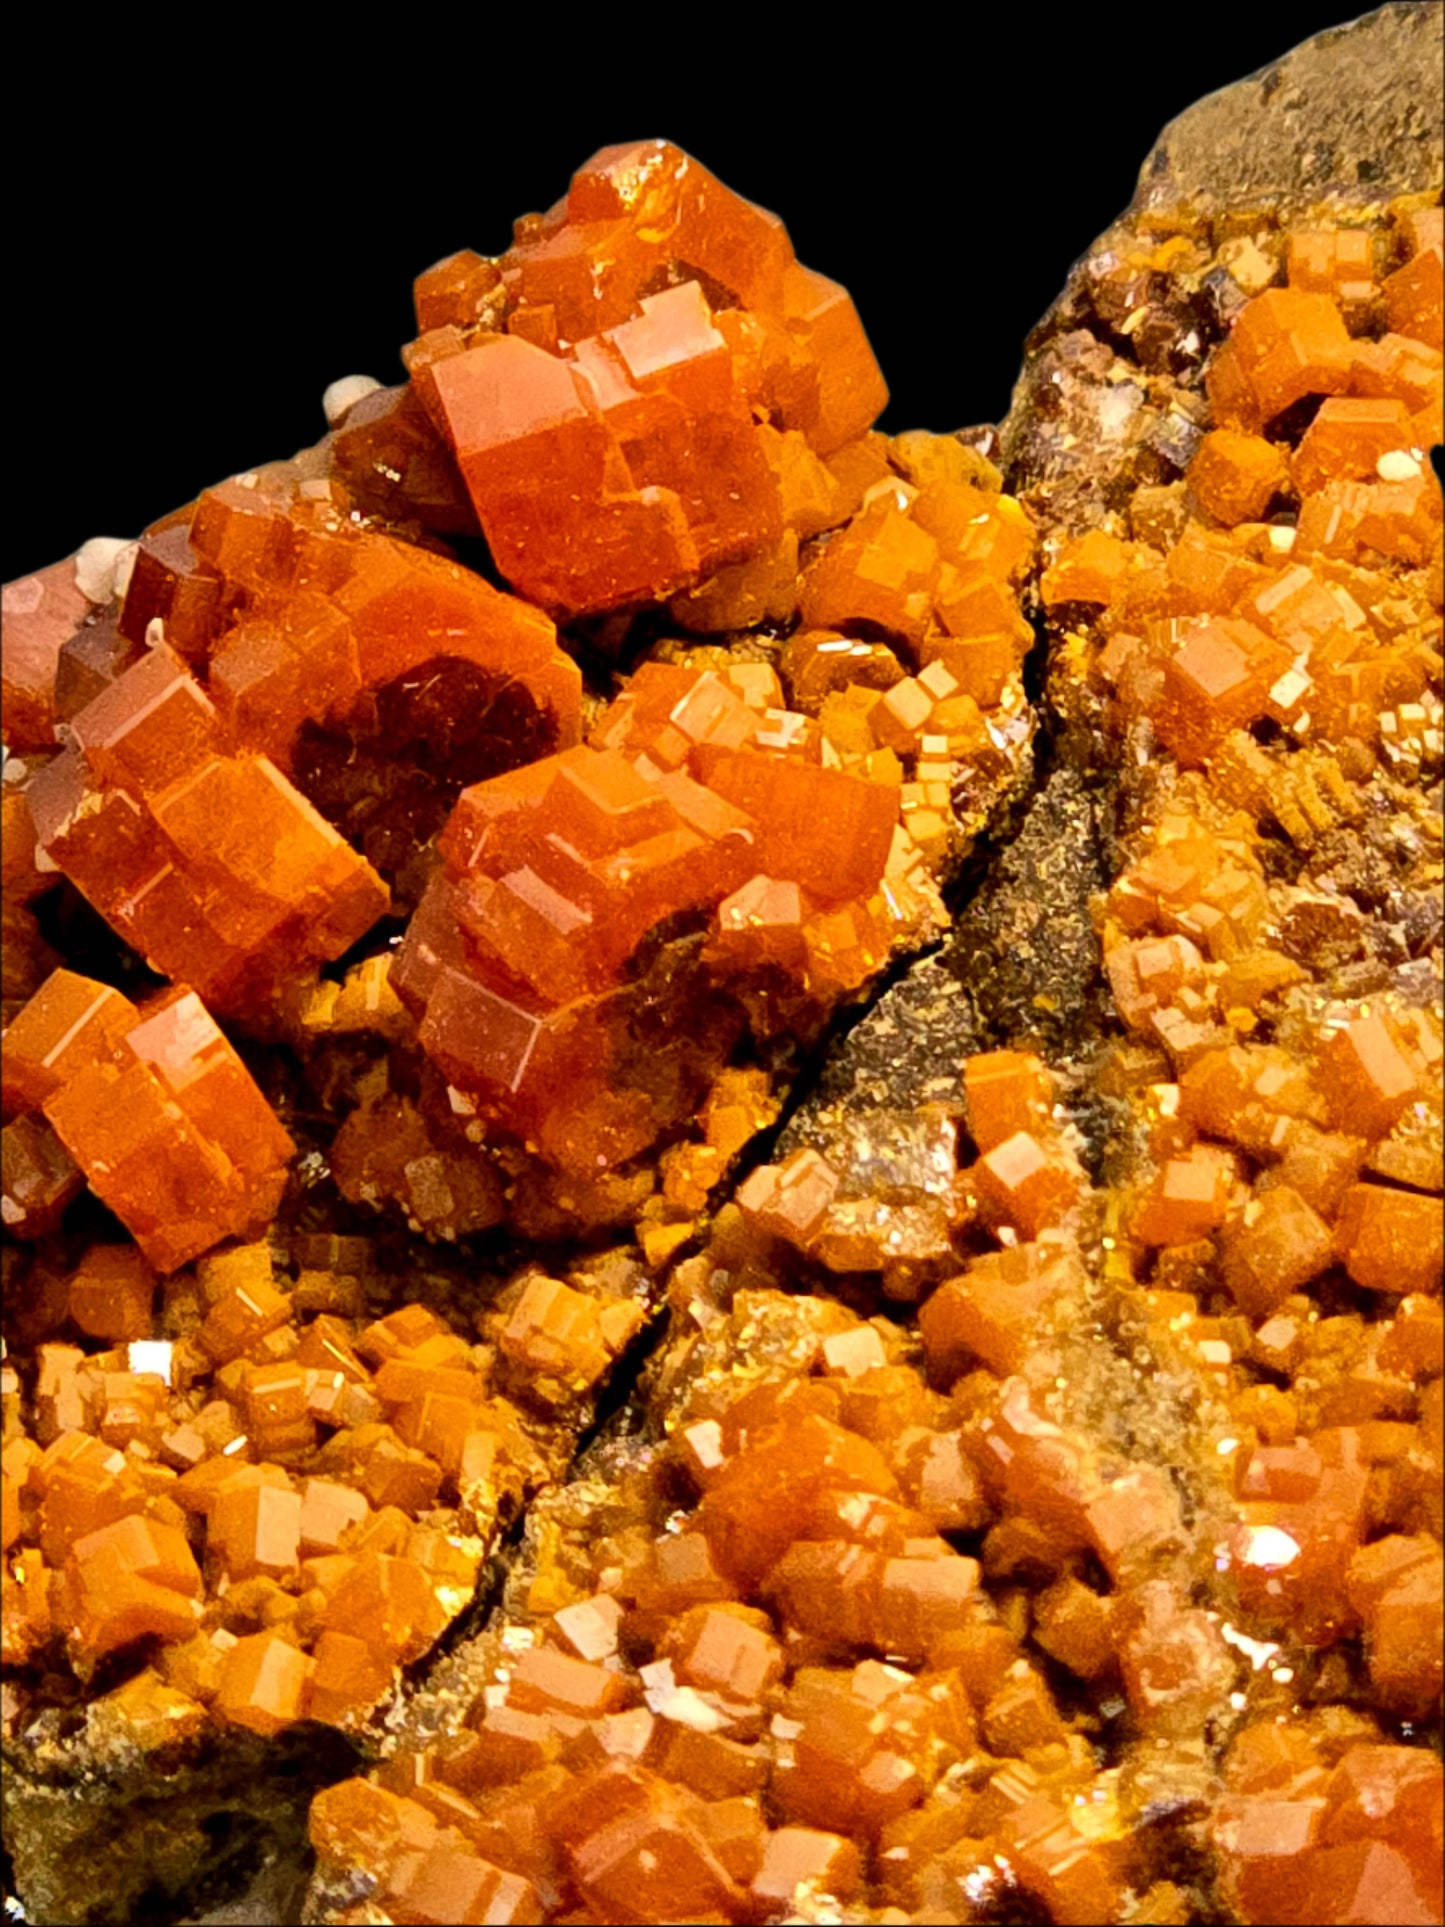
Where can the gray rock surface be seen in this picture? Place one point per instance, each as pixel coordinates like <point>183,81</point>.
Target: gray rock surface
<point>1357,108</point>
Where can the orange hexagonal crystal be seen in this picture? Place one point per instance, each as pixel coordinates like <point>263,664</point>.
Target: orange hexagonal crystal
<point>1216,680</point>
<point>40,1178</point>
<point>446,1882</point>
<point>263,1683</point>
<point>1279,1245</point>
<point>827,1862</point>
<point>346,1679</point>
<point>1395,1586</point>
<point>67,1025</point>
<point>1330,260</point>
<point>1347,438</point>
<point>1348,520</point>
<point>1366,1076</point>
<point>209,863</point>
<point>755,1507</point>
<point>127,1580</point>
<point>1075,1627</point>
<point>1286,344</point>
<point>85,1053</point>
<point>386,1601</point>
<point>652,1865</point>
<point>545,1678</point>
<point>111,1293</point>
<point>84,1485</point>
<point>1188,1200</point>
<point>454,290</point>
<point>1006,1091</point>
<point>790,1200</point>
<point>1027,1184</point>
<point>883,569</point>
<point>157,1110</point>
<point>607,437</point>
<point>242,1313</point>
<point>995,1311</point>
<point>1092,568</point>
<point>726,1651</point>
<point>843,1765</point>
<point>256,1528</point>
<point>1415,297</point>
<point>327,1509</point>
<point>1235,477</point>
<point>41,613</point>
<point>1391,1240</point>
<point>555,1329</point>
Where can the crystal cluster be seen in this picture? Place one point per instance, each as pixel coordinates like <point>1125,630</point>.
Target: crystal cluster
<point>691,806</point>
<point>271,1511</point>
<point>1167,1447</point>
<point>152,1107</point>
<point>253,627</point>
<point>636,391</point>
<point>331,786</point>
<point>214,719</point>
<point>1275,1235</point>
<point>795,1692</point>
<point>1026,1178</point>
<point>201,855</point>
<point>1031,1509</point>
<point>742,842</point>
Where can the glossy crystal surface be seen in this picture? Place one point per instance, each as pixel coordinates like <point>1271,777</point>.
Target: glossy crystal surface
<point>1017,1495</point>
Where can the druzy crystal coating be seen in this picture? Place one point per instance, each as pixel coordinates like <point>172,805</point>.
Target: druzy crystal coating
<point>1033,1504</point>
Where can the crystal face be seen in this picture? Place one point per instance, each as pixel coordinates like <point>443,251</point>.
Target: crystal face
<point>441,1018</point>
<point>155,1108</point>
<point>626,430</point>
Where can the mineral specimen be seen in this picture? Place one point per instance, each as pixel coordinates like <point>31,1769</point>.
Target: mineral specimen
<point>664,376</point>
<point>1029,1504</point>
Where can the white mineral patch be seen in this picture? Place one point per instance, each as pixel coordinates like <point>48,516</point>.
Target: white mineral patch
<point>97,563</point>
<point>1399,465</point>
<point>344,394</point>
<point>150,1355</point>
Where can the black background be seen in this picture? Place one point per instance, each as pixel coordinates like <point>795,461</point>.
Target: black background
<point>198,243</point>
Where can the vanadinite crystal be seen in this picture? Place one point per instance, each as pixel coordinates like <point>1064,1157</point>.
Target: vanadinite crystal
<point>691,810</point>
<point>154,1107</point>
<point>547,957</point>
<point>712,860</point>
<point>282,1504</point>
<point>1030,1506</point>
<point>664,376</point>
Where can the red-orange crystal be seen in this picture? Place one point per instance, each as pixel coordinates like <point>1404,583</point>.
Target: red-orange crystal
<point>207,861</point>
<point>609,436</point>
<point>1037,1513</point>
<point>688,804</point>
<point>156,1109</point>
